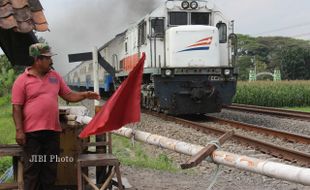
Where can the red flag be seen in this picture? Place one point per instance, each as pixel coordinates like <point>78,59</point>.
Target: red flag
<point>123,106</point>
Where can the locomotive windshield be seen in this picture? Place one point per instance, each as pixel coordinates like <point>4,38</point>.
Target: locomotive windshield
<point>200,18</point>
<point>184,18</point>
<point>178,18</point>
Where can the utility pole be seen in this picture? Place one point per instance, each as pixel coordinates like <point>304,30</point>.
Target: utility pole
<point>95,74</point>
<point>253,60</point>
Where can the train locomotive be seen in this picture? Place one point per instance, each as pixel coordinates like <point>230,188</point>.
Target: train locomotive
<point>190,52</point>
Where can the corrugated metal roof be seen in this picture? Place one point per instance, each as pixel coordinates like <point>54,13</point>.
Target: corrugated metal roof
<point>22,15</point>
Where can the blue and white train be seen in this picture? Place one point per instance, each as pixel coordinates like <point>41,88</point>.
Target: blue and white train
<point>190,55</point>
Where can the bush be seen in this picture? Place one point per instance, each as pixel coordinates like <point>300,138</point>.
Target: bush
<point>5,100</point>
<point>7,75</point>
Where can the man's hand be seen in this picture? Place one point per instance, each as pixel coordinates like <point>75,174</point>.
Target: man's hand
<point>20,137</point>
<point>18,120</point>
<point>79,96</point>
<point>92,95</point>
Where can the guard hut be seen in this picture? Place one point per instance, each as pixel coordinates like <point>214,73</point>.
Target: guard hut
<point>76,156</point>
<point>74,159</point>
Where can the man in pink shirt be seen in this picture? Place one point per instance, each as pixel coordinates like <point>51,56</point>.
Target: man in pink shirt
<point>35,112</point>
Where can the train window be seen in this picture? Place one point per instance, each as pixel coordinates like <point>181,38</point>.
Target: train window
<point>222,27</point>
<point>200,18</point>
<point>158,27</point>
<point>178,18</point>
<point>126,47</point>
<point>141,33</point>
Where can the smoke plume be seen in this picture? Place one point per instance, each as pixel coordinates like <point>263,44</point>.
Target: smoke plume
<point>78,26</point>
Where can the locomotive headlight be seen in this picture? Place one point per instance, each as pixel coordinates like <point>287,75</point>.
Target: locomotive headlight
<point>194,5</point>
<point>168,72</point>
<point>170,5</point>
<point>185,5</point>
<point>226,72</point>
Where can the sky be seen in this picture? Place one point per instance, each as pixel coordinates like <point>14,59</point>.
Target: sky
<point>78,25</point>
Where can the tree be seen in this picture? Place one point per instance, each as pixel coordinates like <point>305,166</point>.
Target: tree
<point>295,63</point>
<point>7,75</point>
<point>289,55</point>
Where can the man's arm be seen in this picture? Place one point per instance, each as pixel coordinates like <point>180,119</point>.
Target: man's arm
<point>18,120</point>
<point>78,96</point>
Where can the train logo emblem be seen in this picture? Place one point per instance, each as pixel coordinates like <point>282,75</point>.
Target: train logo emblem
<point>203,44</point>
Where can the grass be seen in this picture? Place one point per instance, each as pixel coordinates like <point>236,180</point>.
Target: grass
<point>4,100</point>
<point>305,109</point>
<point>7,130</point>
<point>5,163</point>
<point>136,156</point>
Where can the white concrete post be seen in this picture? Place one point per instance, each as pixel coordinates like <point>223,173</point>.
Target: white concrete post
<point>95,73</point>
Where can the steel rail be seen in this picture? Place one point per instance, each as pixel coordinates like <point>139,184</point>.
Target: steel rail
<point>271,111</point>
<point>268,148</point>
<point>273,108</point>
<point>290,137</point>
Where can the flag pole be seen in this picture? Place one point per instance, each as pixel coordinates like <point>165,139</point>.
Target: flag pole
<point>95,74</point>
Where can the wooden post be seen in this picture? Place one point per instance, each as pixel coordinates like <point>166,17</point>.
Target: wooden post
<point>20,175</point>
<point>101,172</point>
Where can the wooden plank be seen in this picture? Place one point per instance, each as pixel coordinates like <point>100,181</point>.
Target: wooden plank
<point>94,144</point>
<point>8,186</point>
<point>97,160</point>
<point>90,182</point>
<point>69,145</point>
<point>10,146</point>
<point>10,151</point>
<point>205,152</point>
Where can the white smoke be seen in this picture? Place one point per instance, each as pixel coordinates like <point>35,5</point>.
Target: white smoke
<point>79,25</point>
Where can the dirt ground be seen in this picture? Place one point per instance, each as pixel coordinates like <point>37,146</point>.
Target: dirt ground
<point>146,179</point>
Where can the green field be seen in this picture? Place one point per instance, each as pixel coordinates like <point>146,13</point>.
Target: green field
<point>274,94</point>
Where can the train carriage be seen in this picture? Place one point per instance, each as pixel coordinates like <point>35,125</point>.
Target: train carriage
<point>190,53</point>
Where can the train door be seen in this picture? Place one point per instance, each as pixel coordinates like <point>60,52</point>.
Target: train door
<point>219,22</point>
<point>157,41</point>
<point>141,35</point>
<point>222,27</point>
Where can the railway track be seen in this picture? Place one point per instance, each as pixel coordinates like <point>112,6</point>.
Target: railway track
<point>270,111</point>
<point>264,147</point>
<point>289,137</point>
